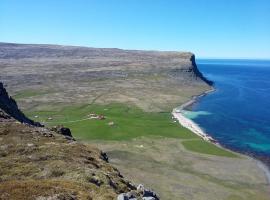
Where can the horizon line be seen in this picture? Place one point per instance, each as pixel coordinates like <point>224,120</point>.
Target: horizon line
<point>197,57</point>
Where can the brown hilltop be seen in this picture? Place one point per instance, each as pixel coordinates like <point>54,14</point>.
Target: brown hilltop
<point>151,80</point>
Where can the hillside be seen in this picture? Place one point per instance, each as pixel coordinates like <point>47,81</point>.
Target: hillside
<point>46,74</point>
<point>47,163</point>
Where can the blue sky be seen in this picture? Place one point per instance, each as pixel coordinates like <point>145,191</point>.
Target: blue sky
<point>209,28</point>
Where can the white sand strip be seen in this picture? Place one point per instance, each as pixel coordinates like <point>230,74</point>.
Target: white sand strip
<point>189,124</point>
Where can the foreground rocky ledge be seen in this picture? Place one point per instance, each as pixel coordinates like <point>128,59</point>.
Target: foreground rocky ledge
<point>38,163</point>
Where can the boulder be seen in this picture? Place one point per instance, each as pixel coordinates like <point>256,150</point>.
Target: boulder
<point>140,193</point>
<point>63,131</point>
<point>126,196</point>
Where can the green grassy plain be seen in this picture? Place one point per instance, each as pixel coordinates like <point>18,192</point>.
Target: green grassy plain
<point>129,122</point>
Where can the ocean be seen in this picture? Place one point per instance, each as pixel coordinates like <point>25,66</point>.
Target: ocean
<point>237,113</point>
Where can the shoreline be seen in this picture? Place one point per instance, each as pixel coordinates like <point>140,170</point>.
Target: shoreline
<point>195,98</point>
<point>188,123</point>
<point>178,115</point>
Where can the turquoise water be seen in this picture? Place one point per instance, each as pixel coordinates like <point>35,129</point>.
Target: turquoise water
<point>237,114</point>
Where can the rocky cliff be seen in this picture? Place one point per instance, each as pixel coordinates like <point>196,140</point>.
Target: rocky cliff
<point>197,73</point>
<point>10,107</point>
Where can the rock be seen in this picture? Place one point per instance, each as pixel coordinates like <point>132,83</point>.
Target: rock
<point>149,195</point>
<point>140,193</point>
<point>140,188</point>
<point>122,197</point>
<point>63,131</point>
<point>104,156</point>
<point>197,73</point>
<point>126,196</point>
<point>111,123</point>
<point>10,107</point>
<point>4,115</point>
<point>148,198</point>
<point>95,180</point>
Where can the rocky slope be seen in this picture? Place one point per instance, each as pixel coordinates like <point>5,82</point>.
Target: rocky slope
<point>151,80</point>
<point>9,106</point>
<point>39,163</point>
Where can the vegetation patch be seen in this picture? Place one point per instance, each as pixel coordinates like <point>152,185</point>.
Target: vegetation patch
<point>120,122</point>
<point>28,93</point>
<point>204,147</point>
<point>123,122</point>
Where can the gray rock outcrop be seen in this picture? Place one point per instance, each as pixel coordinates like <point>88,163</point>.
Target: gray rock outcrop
<point>140,194</point>
<point>10,107</point>
<point>63,131</point>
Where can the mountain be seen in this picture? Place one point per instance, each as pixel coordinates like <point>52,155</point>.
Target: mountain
<point>151,80</point>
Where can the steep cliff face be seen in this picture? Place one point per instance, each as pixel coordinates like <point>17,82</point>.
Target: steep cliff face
<point>10,107</point>
<point>197,72</point>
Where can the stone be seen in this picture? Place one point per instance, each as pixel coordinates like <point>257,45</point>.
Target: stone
<point>62,130</point>
<point>149,195</point>
<point>139,193</point>
<point>149,198</point>
<point>122,197</point>
<point>9,108</point>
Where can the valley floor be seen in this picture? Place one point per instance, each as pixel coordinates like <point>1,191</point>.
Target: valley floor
<point>176,173</point>
<point>150,148</point>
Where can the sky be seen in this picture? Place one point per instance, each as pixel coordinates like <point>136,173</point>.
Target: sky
<point>208,28</point>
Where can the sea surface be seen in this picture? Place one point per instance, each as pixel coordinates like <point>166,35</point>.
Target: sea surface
<point>237,114</point>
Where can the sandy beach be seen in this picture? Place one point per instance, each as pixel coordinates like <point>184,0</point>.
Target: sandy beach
<point>177,114</point>
<point>192,126</point>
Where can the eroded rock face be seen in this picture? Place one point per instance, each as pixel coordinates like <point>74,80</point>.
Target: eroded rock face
<point>10,107</point>
<point>197,73</point>
<point>4,115</point>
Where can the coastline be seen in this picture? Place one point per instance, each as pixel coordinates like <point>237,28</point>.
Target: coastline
<point>195,98</point>
<point>196,129</point>
<point>188,123</point>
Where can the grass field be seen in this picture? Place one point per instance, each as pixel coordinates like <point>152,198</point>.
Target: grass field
<point>201,146</point>
<point>29,93</point>
<point>128,122</point>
